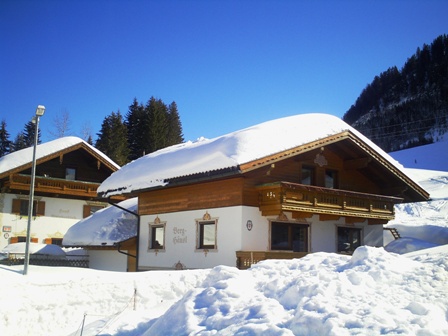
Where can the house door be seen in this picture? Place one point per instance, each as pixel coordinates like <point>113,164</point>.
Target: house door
<point>287,236</point>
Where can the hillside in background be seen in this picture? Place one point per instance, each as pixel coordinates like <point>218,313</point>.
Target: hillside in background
<point>408,107</point>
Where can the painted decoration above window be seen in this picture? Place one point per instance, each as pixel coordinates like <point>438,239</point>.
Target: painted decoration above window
<point>320,160</point>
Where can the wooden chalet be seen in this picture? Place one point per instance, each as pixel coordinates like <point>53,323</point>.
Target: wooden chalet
<point>68,173</point>
<point>332,193</point>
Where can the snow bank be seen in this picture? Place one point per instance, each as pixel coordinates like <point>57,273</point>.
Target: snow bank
<point>425,157</point>
<point>371,293</point>
<point>421,224</point>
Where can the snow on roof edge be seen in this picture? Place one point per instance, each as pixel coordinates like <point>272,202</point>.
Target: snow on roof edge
<point>230,150</point>
<point>24,156</point>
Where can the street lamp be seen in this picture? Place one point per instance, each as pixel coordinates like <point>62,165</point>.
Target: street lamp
<point>39,113</point>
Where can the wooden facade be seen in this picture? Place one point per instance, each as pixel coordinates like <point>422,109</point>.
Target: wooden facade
<point>298,198</point>
<point>363,186</point>
<point>89,168</point>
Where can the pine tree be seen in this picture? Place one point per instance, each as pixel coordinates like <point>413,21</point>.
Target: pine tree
<point>152,127</point>
<point>175,135</point>
<point>29,133</point>
<point>136,122</point>
<point>112,138</point>
<point>5,143</point>
<point>157,124</point>
<point>19,142</point>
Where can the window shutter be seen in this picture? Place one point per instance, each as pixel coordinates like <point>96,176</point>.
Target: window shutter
<point>86,211</point>
<point>47,241</point>
<point>40,210</point>
<point>34,240</point>
<point>16,206</point>
<point>13,240</point>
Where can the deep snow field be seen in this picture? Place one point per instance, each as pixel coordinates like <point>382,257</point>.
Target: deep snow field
<point>377,291</point>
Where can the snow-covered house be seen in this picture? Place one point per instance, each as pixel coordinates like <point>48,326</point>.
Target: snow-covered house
<point>68,173</point>
<point>109,236</point>
<point>280,189</point>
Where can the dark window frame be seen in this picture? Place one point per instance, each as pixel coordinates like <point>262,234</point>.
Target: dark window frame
<point>334,175</point>
<point>90,209</point>
<point>67,173</point>
<point>312,174</point>
<point>200,227</point>
<point>154,244</point>
<point>348,246</point>
<point>290,229</point>
<point>20,207</point>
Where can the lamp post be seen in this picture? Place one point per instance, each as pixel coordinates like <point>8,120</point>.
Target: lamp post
<point>39,113</point>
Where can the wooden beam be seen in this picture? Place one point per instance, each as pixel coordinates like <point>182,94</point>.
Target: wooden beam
<point>372,221</point>
<point>353,220</point>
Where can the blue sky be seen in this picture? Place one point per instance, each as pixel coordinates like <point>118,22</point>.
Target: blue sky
<point>227,64</point>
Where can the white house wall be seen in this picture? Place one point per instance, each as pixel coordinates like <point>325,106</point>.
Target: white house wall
<point>257,238</point>
<point>181,235</point>
<point>60,215</point>
<point>324,233</point>
<point>107,260</point>
<point>233,235</point>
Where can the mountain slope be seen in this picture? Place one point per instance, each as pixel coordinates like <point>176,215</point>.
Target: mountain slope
<point>408,107</point>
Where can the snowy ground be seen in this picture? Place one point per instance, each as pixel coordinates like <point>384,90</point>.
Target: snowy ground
<point>373,292</point>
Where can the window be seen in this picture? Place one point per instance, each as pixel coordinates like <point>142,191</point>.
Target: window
<point>22,239</point>
<point>307,175</point>
<point>206,234</point>
<point>331,179</point>
<point>70,174</point>
<point>348,239</point>
<point>20,207</point>
<point>289,236</point>
<point>91,209</point>
<point>54,241</point>
<point>157,237</point>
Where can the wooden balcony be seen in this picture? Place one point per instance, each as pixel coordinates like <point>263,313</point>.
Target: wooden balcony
<point>245,259</point>
<point>284,196</point>
<point>53,186</point>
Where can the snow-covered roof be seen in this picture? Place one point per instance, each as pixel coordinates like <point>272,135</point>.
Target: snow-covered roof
<point>228,151</point>
<point>35,248</point>
<point>24,157</point>
<point>105,227</point>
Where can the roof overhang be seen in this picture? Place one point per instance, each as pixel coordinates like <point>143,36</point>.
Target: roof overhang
<point>369,154</point>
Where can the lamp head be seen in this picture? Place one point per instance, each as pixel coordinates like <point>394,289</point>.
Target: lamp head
<point>40,110</point>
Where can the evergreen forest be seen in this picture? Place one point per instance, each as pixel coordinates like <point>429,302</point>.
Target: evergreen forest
<point>408,107</point>
<point>144,129</point>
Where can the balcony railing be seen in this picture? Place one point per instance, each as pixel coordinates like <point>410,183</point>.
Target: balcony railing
<point>284,196</point>
<point>53,185</point>
<point>245,259</point>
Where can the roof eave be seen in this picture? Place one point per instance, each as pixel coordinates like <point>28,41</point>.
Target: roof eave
<point>58,153</point>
